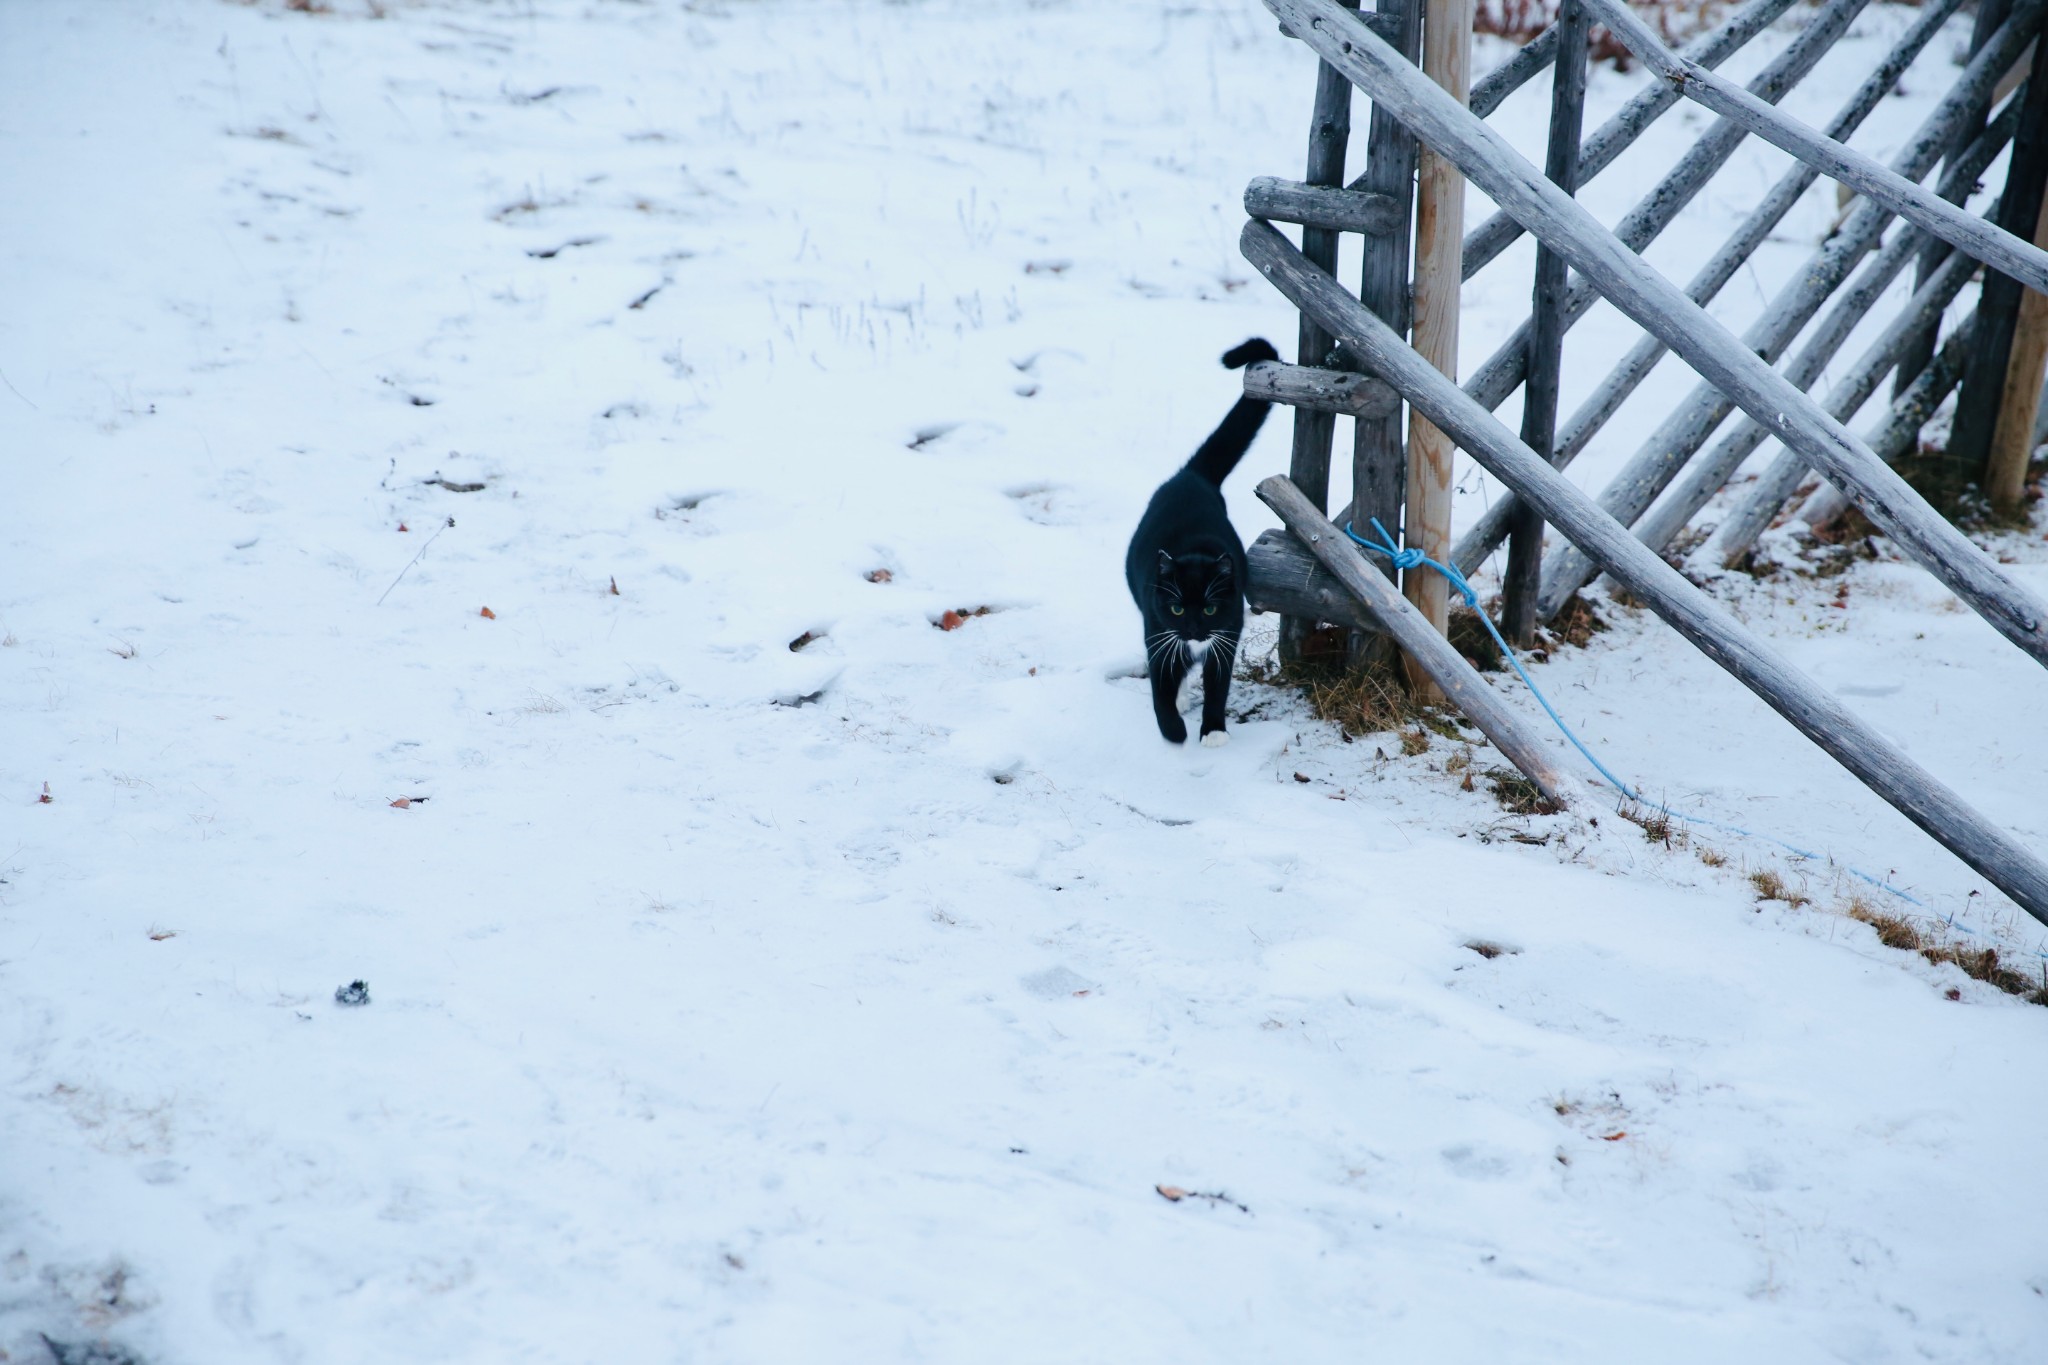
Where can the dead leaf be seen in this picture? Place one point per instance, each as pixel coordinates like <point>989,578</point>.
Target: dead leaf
<point>952,620</point>
<point>615,586</point>
<point>159,935</point>
<point>402,803</point>
<point>879,575</point>
<point>45,799</point>
<point>488,614</point>
<point>403,527</point>
<point>1301,777</point>
<point>1613,1137</point>
<point>1171,1193</point>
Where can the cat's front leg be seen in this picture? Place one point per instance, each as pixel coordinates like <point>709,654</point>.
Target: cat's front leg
<point>1215,692</point>
<point>1166,679</point>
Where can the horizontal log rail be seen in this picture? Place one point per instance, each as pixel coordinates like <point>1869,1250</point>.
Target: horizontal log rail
<point>1324,206</point>
<point>1320,390</point>
<point>1658,305</point>
<point>1816,713</point>
<point>1284,578</point>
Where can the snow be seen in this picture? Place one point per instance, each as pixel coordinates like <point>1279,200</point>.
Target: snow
<point>730,1001</point>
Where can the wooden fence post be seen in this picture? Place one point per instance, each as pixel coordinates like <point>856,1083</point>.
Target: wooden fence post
<point>1329,135</point>
<point>1546,327</point>
<point>1439,243</point>
<point>1990,15</point>
<point>1998,303</point>
<point>1379,448</point>
<point>2012,441</point>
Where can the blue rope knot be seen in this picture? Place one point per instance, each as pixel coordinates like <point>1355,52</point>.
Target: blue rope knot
<point>1412,558</point>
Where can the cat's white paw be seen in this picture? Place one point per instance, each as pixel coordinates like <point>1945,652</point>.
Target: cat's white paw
<point>1215,739</point>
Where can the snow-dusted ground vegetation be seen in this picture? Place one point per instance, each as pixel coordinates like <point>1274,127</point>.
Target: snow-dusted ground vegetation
<point>481,479</point>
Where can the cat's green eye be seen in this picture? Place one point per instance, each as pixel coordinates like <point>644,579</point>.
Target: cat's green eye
<point>1177,609</point>
<point>1209,610</point>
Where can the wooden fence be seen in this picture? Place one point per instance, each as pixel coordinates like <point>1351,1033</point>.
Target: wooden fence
<point>1357,358</point>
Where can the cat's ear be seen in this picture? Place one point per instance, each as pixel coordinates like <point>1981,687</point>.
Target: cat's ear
<point>1165,563</point>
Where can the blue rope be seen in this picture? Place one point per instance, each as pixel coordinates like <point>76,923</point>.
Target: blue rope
<point>1411,558</point>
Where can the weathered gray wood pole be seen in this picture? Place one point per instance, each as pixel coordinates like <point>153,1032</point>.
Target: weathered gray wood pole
<point>1419,640</point>
<point>1546,326</point>
<point>1991,14</point>
<point>1286,578</point>
<point>1379,444</point>
<point>1817,714</point>
<point>2012,440</point>
<point>1314,427</point>
<point>1998,305</point>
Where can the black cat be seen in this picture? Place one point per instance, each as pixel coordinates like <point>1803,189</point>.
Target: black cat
<point>1186,569</point>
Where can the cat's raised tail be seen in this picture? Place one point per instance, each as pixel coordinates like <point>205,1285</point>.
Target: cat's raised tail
<point>1233,435</point>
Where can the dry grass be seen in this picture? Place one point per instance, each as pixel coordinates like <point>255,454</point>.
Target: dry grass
<point>1517,794</point>
<point>1576,623</point>
<point>1655,823</point>
<point>1470,638</point>
<point>1370,700</point>
<point>1980,964</point>
<point>1771,887</point>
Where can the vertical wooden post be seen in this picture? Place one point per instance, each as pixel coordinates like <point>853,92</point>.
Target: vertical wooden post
<point>1328,136</point>
<point>1379,449</point>
<point>1998,303</point>
<point>2012,440</point>
<point>1915,358</point>
<point>1439,248</point>
<point>1547,323</point>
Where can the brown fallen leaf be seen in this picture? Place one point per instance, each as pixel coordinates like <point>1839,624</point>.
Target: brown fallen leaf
<point>952,620</point>
<point>615,587</point>
<point>1613,1137</point>
<point>159,935</point>
<point>403,527</point>
<point>488,614</point>
<point>1171,1193</point>
<point>45,799</point>
<point>879,575</point>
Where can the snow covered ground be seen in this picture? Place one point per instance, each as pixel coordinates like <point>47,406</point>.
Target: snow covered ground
<point>731,1001</point>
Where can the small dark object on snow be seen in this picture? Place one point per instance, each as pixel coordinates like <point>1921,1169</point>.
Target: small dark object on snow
<point>354,993</point>
<point>88,1352</point>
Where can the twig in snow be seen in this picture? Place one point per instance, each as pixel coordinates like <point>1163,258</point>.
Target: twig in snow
<point>416,558</point>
